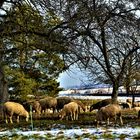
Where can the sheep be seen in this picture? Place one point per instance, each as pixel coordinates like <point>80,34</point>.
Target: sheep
<point>100,104</point>
<point>108,112</point>
<point>125,105</point>
<point>61,101</point>
<point>35,106</point>
<point>48,103</point>
<point>138,114</point>
<point>81,105</point>
<point>69,110</point>
<point>136,109</point>
<point>129,101</point>
<point>136,104</point>
<point>13,108</point>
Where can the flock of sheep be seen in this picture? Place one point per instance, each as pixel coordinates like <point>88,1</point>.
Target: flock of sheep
<point>67,108</point>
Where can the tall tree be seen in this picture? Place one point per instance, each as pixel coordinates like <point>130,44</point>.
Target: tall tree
<point>30,52</point>
<point>101,35</point>
<point>3,82</point>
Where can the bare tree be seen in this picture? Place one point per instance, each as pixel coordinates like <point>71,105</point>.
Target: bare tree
<point>100,35</point>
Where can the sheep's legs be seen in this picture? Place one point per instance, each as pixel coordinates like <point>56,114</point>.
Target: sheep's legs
<point>54,110</point>
<point>107,121</point>
<point>17,119</point>
<point>27,119</point>
<point>39,113</point>
<point>71,116</point>
<point>121,121</point>
<point>115,120</point>
<point>6,119</point>
<point>11,119</point>
<point>120,117</point>
<point>76,117</point>
<point>67,117</point>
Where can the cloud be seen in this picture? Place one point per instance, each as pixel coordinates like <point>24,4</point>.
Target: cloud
<point>71,78</point>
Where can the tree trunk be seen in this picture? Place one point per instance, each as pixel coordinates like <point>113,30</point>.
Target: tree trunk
<point>128,90</point>
<point>3,89</point>
<point>133,99</point>
<point>115,92</point>
<point>133,91</point>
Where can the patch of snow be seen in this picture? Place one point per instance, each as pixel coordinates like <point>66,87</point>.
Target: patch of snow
<point>121,99</point>
<point>130,132</point>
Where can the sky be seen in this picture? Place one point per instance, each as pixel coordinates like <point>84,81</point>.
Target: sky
<point>72,77</point>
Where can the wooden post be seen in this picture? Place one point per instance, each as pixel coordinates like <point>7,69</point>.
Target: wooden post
<point>31,114</point>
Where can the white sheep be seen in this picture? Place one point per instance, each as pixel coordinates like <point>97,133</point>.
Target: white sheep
<point>13,108</point>
<point>136,104</point>
<point>70,110</point>
<point>108,112</point>
<point>136,109</point>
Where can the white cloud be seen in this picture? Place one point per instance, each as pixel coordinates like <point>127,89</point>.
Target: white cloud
<point>73,77</point>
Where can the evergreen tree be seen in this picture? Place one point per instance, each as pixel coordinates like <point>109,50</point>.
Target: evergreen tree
<point>32,62</point>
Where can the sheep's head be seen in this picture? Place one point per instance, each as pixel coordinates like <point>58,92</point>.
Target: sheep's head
<point>84,109</point>
<point>27,116</point>
<point>62,114</point>
<point>91,108</point>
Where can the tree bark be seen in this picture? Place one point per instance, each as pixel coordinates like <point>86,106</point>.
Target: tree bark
<point>115,92</point>
<point>128,90</point>
<point>133,99</point>
<point>3,89</point>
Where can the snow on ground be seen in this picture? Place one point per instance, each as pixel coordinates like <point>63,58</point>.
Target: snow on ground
<point>122,99</point>
<point>89,130</point>
<point>88,94</point>
<point>130,132</point>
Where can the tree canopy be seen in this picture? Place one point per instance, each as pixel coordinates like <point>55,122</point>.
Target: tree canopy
<point>31,61</point>
<point>101,36</point>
